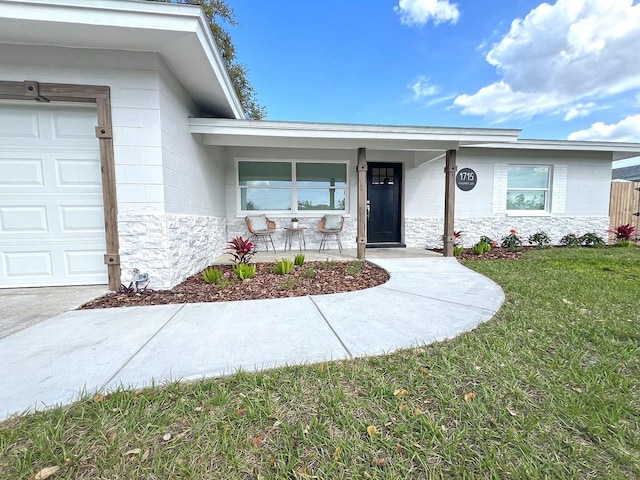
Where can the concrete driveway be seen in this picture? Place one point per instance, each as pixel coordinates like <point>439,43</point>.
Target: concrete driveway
<point>23,307</point>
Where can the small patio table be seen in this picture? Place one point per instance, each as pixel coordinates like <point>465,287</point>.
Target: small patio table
<point>297,232</point>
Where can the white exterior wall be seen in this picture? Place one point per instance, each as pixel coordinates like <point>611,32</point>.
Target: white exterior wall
<point>170,189</point>
<point>580,197</point>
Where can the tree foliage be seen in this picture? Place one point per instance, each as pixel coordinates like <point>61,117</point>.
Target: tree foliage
<point>218,12</point>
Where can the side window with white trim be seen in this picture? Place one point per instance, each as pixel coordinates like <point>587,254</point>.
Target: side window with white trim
<point>528,188</point>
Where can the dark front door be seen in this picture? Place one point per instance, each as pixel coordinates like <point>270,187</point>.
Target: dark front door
<point>384,195</point>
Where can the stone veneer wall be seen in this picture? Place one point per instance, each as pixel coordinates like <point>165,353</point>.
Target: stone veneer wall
<point>237,226</point>
<point>168,247</point>
<point>427,232</point>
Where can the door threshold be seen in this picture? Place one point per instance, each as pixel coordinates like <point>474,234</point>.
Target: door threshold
<point>387,245</point>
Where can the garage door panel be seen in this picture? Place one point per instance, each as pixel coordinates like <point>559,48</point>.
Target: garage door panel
<point>74,126</point>
<point>78,172</point>
<point>16,173</point>
<point>20,123</point>
<point>31,219</point>
<point>51,212</point>
<point>84,262</point>
<point>30,264</point>
<point>75,219</point>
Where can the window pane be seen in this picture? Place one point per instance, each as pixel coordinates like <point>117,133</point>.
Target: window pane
<point>526,199</point>
<point>321,174</point>
<point>264,174</point>
<point>321,199</point>
<point>528,177</point>
<point>265,199</point>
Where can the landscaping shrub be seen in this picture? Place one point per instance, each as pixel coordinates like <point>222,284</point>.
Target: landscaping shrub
<point>539,239</point>
<point>511,241</point>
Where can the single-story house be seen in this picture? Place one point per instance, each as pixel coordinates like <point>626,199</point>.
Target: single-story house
<point>123,145</point>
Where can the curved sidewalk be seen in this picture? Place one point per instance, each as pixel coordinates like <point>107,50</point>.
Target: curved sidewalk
<point>84,351</point>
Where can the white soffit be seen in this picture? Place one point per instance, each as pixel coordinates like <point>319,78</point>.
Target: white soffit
<point>618,150</point>
<point>178,33</point>
<point>253,133</point>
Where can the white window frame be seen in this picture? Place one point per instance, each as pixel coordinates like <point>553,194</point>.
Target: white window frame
<point>549,192</point>
<point>294,189</point>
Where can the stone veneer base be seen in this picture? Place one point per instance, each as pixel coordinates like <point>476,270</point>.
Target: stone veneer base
<point>427,232</point>
<point>169,247</point>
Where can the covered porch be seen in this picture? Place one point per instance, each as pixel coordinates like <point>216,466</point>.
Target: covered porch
<point>380,162</point>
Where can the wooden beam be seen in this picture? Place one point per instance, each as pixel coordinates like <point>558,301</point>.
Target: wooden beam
<point>362,202</point>
<point>449,202</point>
<point>107,162</point>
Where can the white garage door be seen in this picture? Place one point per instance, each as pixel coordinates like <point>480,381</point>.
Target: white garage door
<point>51,213</point>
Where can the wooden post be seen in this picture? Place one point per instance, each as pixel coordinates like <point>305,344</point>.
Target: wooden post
<point>362,202</point>
<point>105,138</point>
<point>449,202</point>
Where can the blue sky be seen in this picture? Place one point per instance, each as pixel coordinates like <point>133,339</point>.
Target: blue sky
<point>568,69</point>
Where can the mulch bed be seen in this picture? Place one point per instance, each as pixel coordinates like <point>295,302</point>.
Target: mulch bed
<point>266,284</point>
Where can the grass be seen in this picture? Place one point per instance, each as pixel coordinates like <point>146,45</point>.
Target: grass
<point>549,388</point>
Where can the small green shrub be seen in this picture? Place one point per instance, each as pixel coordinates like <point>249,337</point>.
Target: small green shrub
<point>457,251</point>
<point>539,239</point>
<point>355,268</point>
<point>624,243</point>
<point>511,241</point>
<point>478,248</point>
<point>571,240</point>
<point>212,275</point>
<point>592,240</point>
<point>283,266</point>
<point>298,260</point>
<point>328,265</point>
<point>289,284</point>
<point>486,247</point>
<point>309,273</point>
<point>487,240</point>
<point>244,271</point>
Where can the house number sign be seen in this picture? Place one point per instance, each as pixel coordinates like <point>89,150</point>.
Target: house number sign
<point>466,179</point>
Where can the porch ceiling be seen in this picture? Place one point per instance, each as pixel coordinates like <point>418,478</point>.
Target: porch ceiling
<point>170,30</point>
<point>224,132</point>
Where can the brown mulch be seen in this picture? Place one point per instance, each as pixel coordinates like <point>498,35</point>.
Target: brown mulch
<point>266,284</point>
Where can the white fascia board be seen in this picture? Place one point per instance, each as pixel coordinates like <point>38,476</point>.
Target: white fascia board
<point>223,132</point>
<point>179,33</point>
<point>618,150</point>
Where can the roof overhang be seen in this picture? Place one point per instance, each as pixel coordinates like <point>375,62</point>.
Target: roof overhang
<point>253,133</point>
<point>617,150</point>
<point>179,33</point>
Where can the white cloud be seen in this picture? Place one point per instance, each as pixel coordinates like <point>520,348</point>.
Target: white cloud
<point>627,130</point>
<point>419,12</point>
<point>579,110</point>
<point>560,55</point>
<point>422,88</point>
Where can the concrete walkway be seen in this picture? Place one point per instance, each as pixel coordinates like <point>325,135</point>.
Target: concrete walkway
<point>53,362</point>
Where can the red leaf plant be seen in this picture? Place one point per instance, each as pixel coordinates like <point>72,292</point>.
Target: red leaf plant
<point>623,232</point>
<point>241,250</point>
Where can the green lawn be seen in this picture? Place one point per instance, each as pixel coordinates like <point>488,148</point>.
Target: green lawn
<point>549,388</point>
